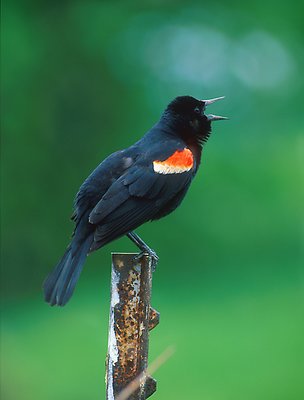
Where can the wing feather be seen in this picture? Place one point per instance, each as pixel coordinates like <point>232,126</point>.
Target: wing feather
<point>136,197</point>
<point>129,216</point>
<point>113,198</point>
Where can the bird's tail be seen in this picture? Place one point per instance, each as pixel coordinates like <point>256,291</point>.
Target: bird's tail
<point>60,283</point>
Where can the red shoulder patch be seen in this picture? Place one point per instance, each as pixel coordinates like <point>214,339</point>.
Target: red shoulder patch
<point>180,161</point>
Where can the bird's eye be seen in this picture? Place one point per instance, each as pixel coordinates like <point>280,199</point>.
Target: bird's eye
<point>197,110</point>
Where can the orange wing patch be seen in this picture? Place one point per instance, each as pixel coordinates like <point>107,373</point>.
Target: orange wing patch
<point>179,162</point>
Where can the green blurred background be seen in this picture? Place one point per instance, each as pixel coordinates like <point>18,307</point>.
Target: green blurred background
<point>82,79</point>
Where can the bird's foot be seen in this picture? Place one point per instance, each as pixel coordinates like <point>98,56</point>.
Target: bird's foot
<point>151,254</point>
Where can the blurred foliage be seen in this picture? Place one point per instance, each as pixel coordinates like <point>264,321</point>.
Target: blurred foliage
<point>84,78</point>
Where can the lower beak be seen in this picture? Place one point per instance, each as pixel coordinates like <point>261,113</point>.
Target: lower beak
<point>212,117</point>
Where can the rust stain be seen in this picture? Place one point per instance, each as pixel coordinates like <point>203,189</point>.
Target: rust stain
<point>129,313</point>
<point>153,318</point>
<point>132,320</point>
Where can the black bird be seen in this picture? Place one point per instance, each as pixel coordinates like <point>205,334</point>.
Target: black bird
<point>141,183</point>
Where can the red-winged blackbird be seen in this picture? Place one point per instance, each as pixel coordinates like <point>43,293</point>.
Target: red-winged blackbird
<point>143,182</point>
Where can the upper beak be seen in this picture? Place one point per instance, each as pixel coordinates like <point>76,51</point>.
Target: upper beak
<point>211,101</point>
<point>212,117</point>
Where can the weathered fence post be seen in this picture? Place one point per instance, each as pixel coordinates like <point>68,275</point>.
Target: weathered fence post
<point>131,318</point>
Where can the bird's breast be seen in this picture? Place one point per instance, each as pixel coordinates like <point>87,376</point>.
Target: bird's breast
<point>180,161</point>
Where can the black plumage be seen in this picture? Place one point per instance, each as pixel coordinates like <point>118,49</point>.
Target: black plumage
<point>142,183</point>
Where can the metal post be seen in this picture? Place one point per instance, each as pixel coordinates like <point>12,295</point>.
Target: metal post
<point>131,318</point>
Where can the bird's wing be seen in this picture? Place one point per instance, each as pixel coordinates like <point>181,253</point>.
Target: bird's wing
<point>151,178</point>
<point>131,214</point>
<point>138,195</point>
<point>99,182</point>
<point>134,199</point>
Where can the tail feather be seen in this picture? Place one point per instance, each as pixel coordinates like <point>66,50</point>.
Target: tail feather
<point>60,284</point>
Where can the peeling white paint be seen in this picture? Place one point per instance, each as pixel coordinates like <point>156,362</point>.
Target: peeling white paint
<point>136,285</point>
<point>112,347</point>
<point>137,267</point>
<point>141,328</point>
<point>115,294</point>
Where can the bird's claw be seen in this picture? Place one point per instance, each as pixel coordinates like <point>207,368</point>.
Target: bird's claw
<point>151,253</point>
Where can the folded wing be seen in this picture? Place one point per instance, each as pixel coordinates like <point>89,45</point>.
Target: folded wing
<point>136,197</point>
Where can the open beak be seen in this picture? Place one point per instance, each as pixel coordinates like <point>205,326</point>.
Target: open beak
<point>212,117</point>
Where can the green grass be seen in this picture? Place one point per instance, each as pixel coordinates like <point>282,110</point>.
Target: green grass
<point>229,345</point>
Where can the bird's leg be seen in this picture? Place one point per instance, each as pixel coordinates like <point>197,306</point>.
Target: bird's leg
<point>144,248</point>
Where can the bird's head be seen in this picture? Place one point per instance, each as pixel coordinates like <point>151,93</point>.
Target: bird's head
<point>187,117</point>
